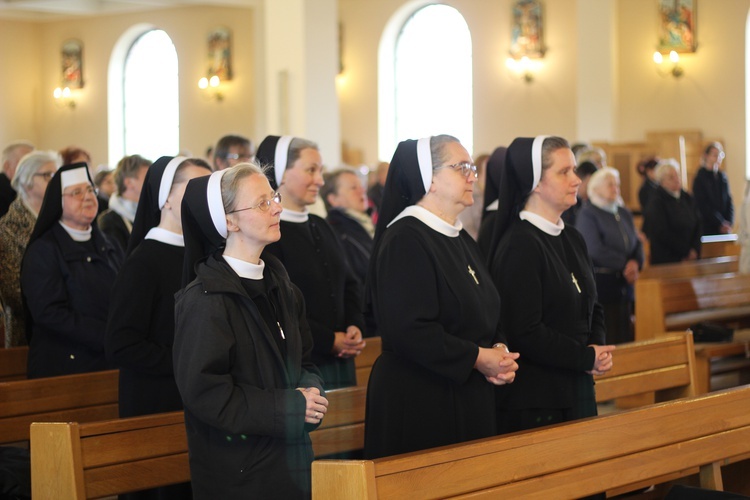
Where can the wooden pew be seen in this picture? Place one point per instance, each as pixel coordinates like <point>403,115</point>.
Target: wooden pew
<point>363,363</point>
<point>719,245</point>
<point>689,269</point>
<point>627,449</point>
<point>13,361</point>
<point>84,397</point>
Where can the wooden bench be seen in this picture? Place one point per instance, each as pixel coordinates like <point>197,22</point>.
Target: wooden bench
<point>716,359</point>
<point>719,245</point>
<point>363,363</point>
<point>628,449</point>
<point>84,397</point>
<point>13,361</point>
<point>689,269</point>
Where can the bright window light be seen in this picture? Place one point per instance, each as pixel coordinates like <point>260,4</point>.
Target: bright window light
<point>151,97</point>
<point>433,82</point>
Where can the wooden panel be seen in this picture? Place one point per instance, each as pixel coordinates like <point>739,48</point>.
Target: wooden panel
<point>15,429</point>
<point>13,362</point>
<point>345,406</point>
<point>56,457</point>
<point>338,439</point>
<point>138,444</point>
<point>651,381</point>
<point>344,479</point>
<point>701,267</point>
<point>134,476</point>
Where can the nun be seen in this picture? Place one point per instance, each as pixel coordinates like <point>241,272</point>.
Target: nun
<point>313,256</point>
<point>436,307</point>
<point>548,296</point>
<point>495,165</point>
<point>66,279</point>
<point>242,346</point>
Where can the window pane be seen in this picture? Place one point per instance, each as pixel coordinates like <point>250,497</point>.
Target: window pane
<point>151,98</point>
<point>433,76</point>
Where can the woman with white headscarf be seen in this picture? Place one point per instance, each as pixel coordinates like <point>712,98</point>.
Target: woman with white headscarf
<point>436,308</point>
<point>66,279</point>
<point>547,290</point>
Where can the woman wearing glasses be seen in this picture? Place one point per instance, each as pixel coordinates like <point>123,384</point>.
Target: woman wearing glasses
<point>242,346</point>
<point>32,176</point>
<point>436,308</point>
<point>66,278</point>
<point>311,252</point>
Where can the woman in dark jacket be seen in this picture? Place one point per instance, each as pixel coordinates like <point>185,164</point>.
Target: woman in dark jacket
<point>671,220</point>
<point>242,346</point>
<point>615,249</point>
<point>66,278</point>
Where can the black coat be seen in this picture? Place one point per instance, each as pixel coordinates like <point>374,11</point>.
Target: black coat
<point>140,329</point>
<point>646,192</point>
<point>244,417</point>
<point>713,200</point>
<point>316,263</point>
<point>113,226</point>
<point>673,227</point>
<point>66,287</point>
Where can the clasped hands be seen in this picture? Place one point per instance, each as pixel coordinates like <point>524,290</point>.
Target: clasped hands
<point>348,344</point>
<point>497,364</point>
<point>602,359</point>
<point>316,405</point>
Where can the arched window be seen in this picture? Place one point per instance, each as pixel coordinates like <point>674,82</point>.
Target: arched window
<point>431,79</point>
<point>150,97</point>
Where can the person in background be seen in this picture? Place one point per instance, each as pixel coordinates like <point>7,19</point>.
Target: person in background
<point>30,181</point>
<point>140,326</point>
<point>671,220</point>
<point>242,346</point>
<point>584,171</point>
<point>117,221</point>
<point>12,154</point>
<point>495,167</point>
<point>615,249</point>
<point>375,191</point>
<point>594,154</point>
<point>437,310</point>
<point>67,274</point>
<point>471,218</point>
<point>312,254</point>
<point>711,192</point>
<point>231,150</point>
<point>548,297</point>
<point>105,182</point>
<point>646,168</point>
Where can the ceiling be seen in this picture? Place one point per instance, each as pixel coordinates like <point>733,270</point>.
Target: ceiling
<point>48,10</point>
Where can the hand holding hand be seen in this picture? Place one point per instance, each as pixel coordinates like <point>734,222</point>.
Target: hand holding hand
<point>602,359</point>
<point>497,364</point>
<point>348,344</point>
<point>316,406</point>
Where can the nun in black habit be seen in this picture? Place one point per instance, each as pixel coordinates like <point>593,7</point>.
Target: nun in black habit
<point>66,278</point>
<point>312,254</point>
<point>543,272</point>
<point>436,308</point>
<point>495,165</point>
<point>242,346</point>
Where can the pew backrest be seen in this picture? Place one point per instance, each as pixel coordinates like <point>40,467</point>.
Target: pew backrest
<point>13,361</point>
<point>689,269</point>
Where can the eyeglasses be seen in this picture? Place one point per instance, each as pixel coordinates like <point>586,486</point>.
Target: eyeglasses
<point>263,206</point>
<point>235,156</point>
<point>464,167</point>
<point>80,193</point>
<point>45,175</point>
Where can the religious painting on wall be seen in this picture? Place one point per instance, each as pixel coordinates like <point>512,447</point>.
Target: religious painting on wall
<point>526,31</point>
<point>72,64</point>
<point>220,54</point>
<point>677,25</point>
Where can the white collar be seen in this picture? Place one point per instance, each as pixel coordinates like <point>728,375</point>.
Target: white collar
<point>288,215</point>
<point>246,269</point>
<point>493,206</point>
<point>430,220</point>
<point>77,234</point>
<point>167,237</point>
<point>542,224</point>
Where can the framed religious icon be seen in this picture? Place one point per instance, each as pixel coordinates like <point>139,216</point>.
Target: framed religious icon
<point>220,54</point>
<point>526,30</point>
<point>677,25</point>
<point>72,64</point>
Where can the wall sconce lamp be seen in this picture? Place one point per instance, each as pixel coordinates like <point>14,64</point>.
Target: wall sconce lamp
<point>64,97</point>
<point>672,67</point>
<point>209,84</point>
<point>522,68</point>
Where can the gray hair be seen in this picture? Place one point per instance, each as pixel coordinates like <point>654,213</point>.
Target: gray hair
<point>10,151</point>
<point>230,182</point>
<point>30,165</point>
<point>662,169</point>
<point>437,149</point>
<point>295,149</point>
<point>599,177</point>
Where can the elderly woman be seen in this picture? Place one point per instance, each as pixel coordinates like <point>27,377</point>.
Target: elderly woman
<point>32,176</point>
<point>436,308</point>
<point>671,220</point>
<point>711,192</point>
<point>242,346</point>
<point>542,270</point>
<point>66,279</point>
<point>117,221</point>
<point>617,252</point>
<point>311,252</point>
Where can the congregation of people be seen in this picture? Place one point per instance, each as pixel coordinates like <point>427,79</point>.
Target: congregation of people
<point>500,286</point>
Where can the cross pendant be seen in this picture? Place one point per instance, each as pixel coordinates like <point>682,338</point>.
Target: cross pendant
<point>473,275</point>
<point>575,282</point>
